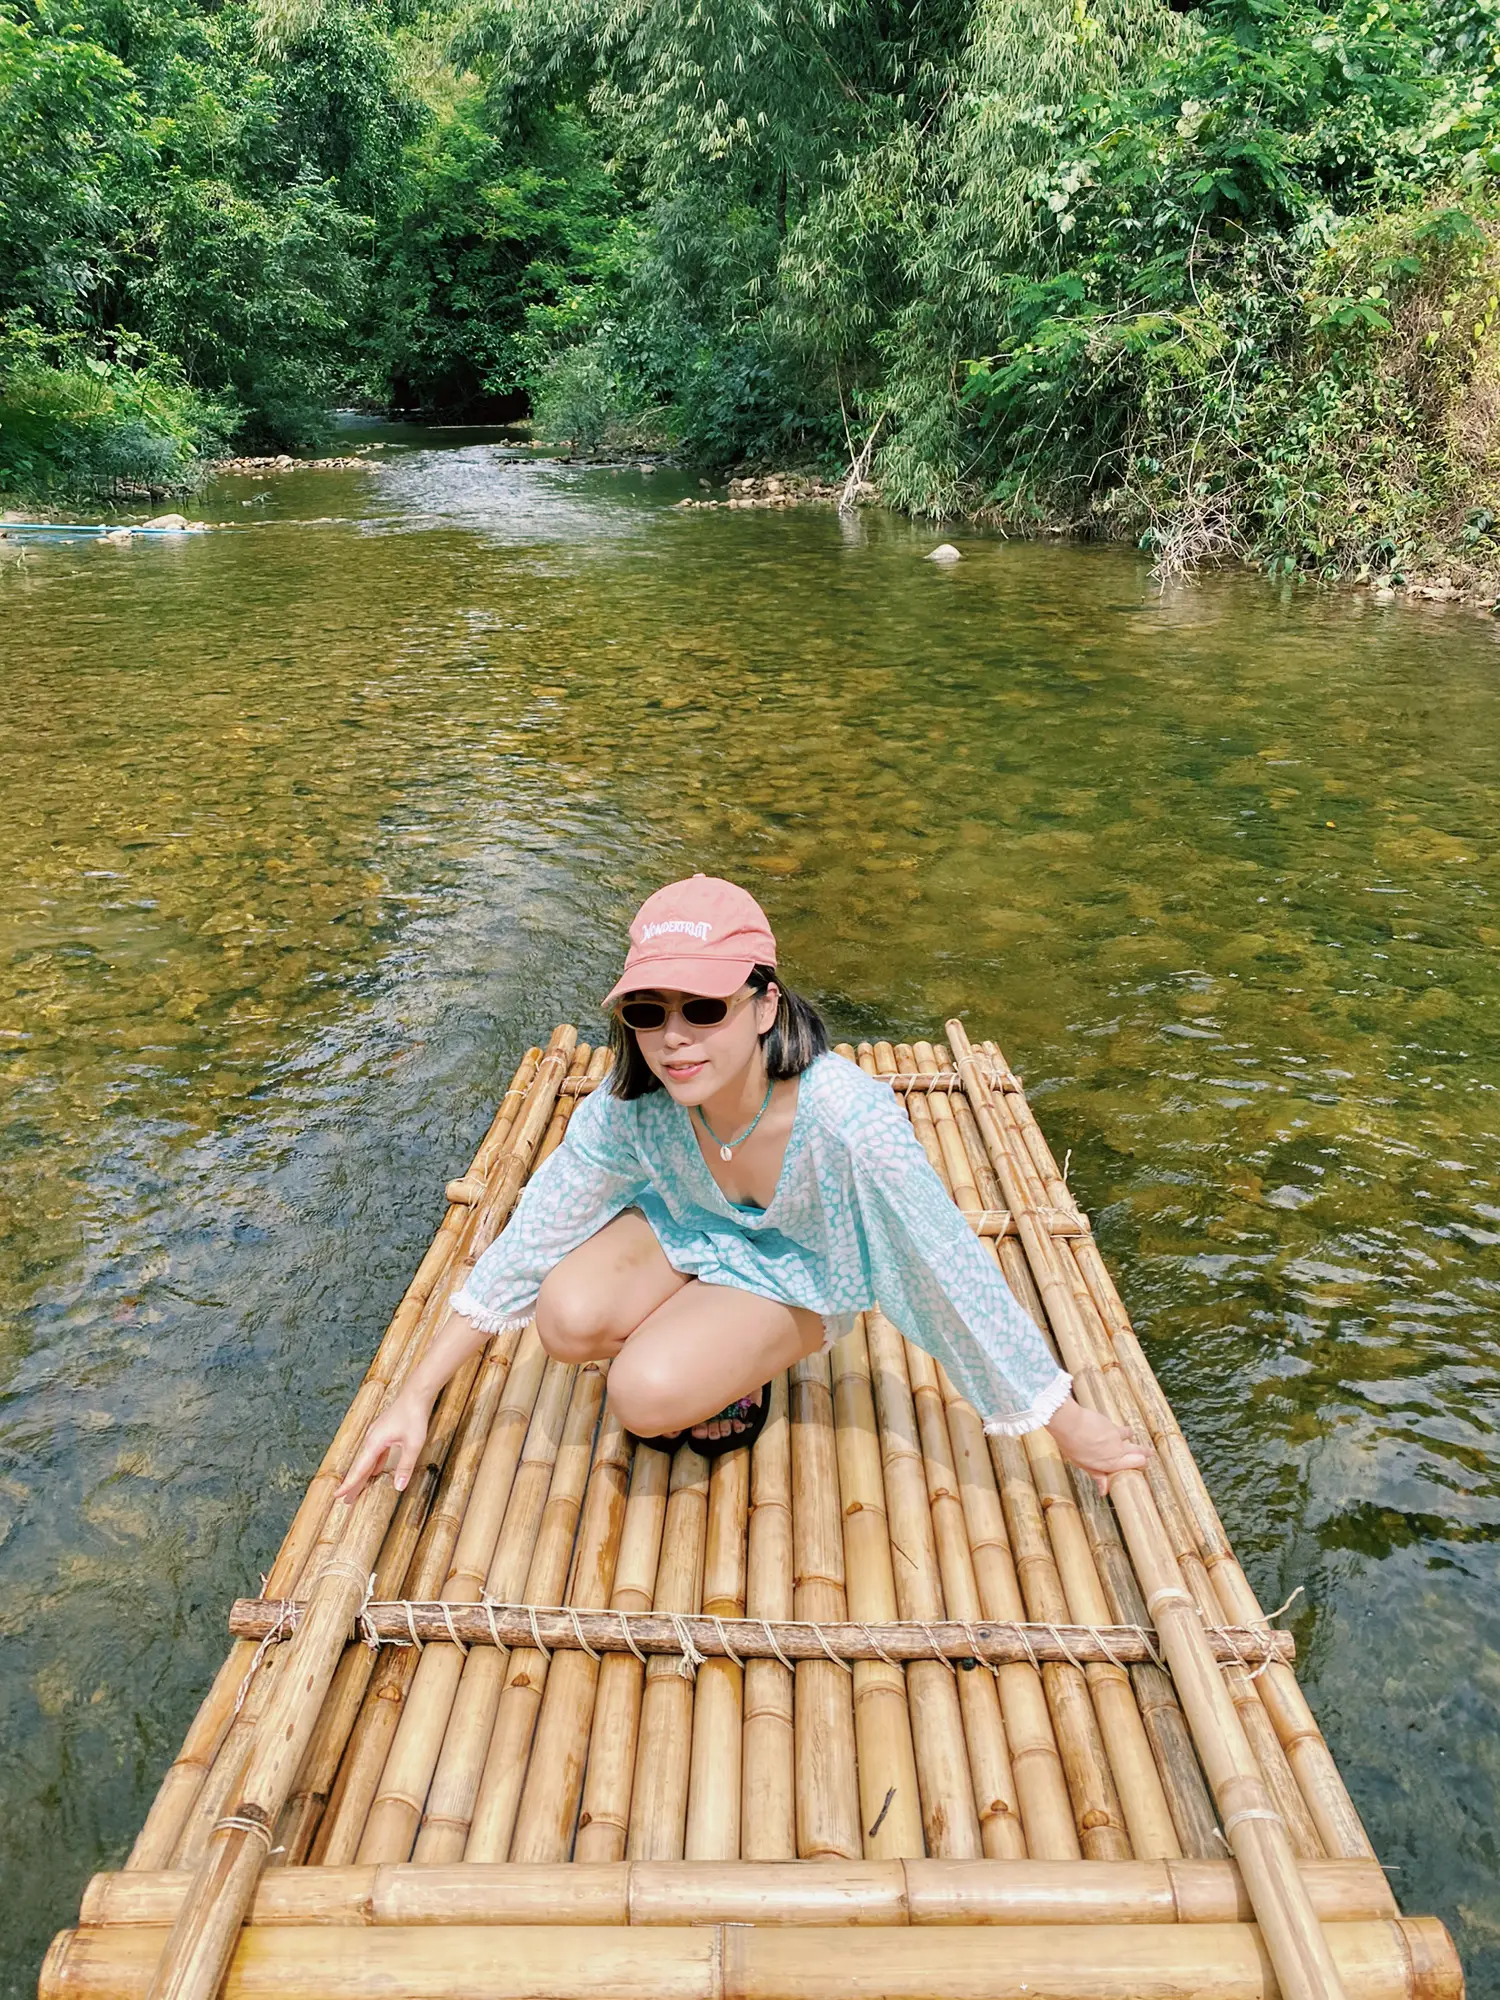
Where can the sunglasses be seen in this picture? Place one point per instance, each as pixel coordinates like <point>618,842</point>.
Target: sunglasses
<point>698,1012</point>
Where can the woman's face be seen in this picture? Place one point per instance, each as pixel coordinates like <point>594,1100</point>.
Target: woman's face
<point>695,1064</point>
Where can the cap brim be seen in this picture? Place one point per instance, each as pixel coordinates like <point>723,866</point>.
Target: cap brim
<point>713,978</point>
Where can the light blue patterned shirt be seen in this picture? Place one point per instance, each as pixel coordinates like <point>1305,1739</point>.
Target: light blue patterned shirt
<point>858,1217</point>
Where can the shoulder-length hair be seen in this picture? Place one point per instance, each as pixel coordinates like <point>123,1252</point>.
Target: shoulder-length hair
<point>796,1038</point>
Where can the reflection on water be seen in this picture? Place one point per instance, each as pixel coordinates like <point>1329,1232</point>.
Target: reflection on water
<point>312,824</point>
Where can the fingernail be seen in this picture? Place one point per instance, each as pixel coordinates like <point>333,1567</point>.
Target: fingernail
<point>400,1482</point>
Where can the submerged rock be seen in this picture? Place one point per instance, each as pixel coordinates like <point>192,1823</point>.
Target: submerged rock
<point>943,553</point>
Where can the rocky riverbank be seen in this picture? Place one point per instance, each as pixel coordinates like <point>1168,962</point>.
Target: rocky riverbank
<point>284,462</point>
<point>789,489</point>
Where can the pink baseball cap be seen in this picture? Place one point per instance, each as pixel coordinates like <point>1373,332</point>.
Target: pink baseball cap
<point>700,936</point>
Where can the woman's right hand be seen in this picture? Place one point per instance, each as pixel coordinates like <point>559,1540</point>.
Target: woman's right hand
<point>401,1429</point>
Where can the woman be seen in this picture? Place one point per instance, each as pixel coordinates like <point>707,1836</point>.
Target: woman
<point>725,1207</point>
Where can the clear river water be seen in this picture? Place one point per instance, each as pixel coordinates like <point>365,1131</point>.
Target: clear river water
<point>313,823</point>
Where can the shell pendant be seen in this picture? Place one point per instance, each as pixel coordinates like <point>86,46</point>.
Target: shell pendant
<point>726,1153</point>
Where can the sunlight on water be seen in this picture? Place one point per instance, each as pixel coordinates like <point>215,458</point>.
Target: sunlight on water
<point>314,823</point>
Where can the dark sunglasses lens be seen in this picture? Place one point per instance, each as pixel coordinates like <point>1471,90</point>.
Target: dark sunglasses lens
<point>643,1014</point>
<point>704,1013</point>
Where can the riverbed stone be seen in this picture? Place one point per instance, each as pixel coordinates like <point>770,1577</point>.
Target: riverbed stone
<point>943,553</point>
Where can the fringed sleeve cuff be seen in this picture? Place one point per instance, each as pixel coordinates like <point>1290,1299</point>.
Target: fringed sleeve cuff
<point>1042,1411</point>
<point>485,1321</point>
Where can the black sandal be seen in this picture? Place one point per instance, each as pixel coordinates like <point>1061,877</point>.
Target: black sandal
<point>754,1423</point>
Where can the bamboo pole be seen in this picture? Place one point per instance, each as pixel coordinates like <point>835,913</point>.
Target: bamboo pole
<point>1333,1811</point>
<point>560,1629</point>
<point>1147,1817</point>
<point>548,1812</point>
<point>950,1762</point>
<point>162,1830</point>
<point>994,1784</point>
<point>659,1795</point>
<point>1270,1758</point>
<point>1327,1799</point>
<point>950,1818</point>
<point>714,1774</point>
<point>1161,1712</point>
<point>1041,1784</point>
<point>768,1813</point>
<point>604,1815</point>
<point>1099,1815</point>
<point>827,1783</point>
<point>893,1892</point>
<point>336,1837</point>
<point>499,1797</point>
<point>198,1949</point>
<point>1256,1832</point>
<point>450,1799</point>
<point>1400,1960</point>
<point>889,1796</point>
<point>979,1696</point>
<point>484,1382</point>
<point>947,1080</point>
<point>1286,1799</point>
<point>378,1819</point>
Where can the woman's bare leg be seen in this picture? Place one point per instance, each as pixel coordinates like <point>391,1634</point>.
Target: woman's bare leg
<point>700,1351</point>
<point>680,1350</point>
<point>592,1301</point>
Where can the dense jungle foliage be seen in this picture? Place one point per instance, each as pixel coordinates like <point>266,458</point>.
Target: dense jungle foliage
<point>1222,277</point>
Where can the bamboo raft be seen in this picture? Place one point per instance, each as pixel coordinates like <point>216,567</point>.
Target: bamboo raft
<point>884,1708</point>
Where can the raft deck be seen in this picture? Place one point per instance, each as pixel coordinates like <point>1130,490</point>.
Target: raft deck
<point>572,1718</point>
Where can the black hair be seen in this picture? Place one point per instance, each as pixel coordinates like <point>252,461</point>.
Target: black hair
<point>796,1038</point>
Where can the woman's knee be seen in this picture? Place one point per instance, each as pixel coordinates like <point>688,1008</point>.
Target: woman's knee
<point>646,1396</point>
<point>569,1320</point>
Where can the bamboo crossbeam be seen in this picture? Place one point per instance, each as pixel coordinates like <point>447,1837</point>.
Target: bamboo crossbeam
<point>902,1080</point>
<point>405,1622</point>
<point>983,1221</point>
<point>1387,1960</point>
<point>901,1891</point>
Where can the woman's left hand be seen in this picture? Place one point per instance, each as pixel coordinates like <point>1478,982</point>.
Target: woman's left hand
<point>1094,1444</point>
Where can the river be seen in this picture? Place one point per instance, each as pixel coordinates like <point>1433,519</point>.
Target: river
<point>314,822</point>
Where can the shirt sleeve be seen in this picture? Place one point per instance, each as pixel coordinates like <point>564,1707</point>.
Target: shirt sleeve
<point>939,1284</point>
<point>594,1174</point>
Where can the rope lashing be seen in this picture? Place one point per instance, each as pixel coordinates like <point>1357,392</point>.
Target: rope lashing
<point>880,1651</point>
<point>691,1659</point>
<point>452,1631</point>
<point>1251,1812</point>
<point>536,1637</point>
<point>937,1651</point>
<point>583,1643</point>
<point>629,1638</point>
<point>693,1637</point>
<point>822,1638</point>
<point>729,1652</point>
<point>239,1823</point>
<point>771,1641</point>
